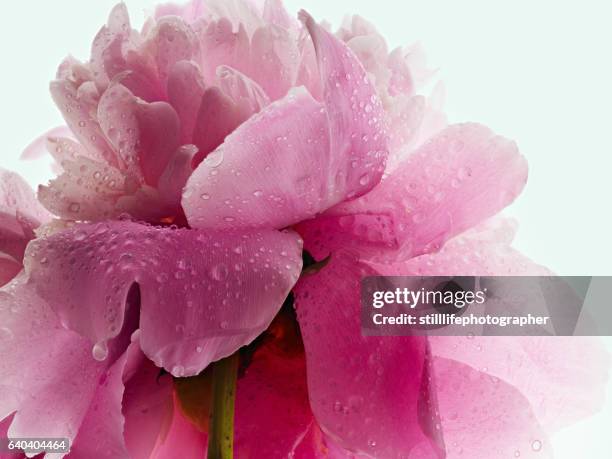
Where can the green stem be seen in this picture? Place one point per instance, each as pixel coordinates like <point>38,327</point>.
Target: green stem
<point>221,427</point>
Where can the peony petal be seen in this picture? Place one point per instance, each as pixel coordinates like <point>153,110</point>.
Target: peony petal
<point>274,383</point>
<point>273,171</point>
<point>9,268</point>
<point>274,60</point>
<point>483,417</point>
<point>218,116</point>
<point>147,403</point>
<point>355,112</point>
<point>456,180</point>
<point>245,93</point>
<point>563,378</point>
<point>145,135</point>
<point>369,394</point>
<point>171,41</point>
<point>40,362</point>
<point>100,263</point>
<point>38,147</point>
<point>80,117</point>
<point>222,46</point>
<point>182,439</point>
<point>274,12</point>
<point>20,214</point>
<point>185,90</point>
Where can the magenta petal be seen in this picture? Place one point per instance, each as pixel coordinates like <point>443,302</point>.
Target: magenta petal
<point>459,178</point>
<point>273,171</point>
<point>355,112</point>
<point>370,395</point>
<point>203,295</point>
<point>274,383</point>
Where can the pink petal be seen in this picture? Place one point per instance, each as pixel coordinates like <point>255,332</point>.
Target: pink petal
<point>171,41</point>
<point>78,116</point>
<point>456,180</point>
<point>355,112</point>
<point>9,268</point>
<point>563,378</point>
<point>370,395</point>
<point>182,439</point>
<point>245,93</point>
<point>222,46</point>
<point>272,171</point>
<point>145,135</point>
<point>218,116</point>
<point>147,403</point>
<point>274,60</point>
<point>484,417</point>
<point>20,214</point>
<point>185,90</point>
<point>99,264</point>
<point>274,12</point>
<point>37,148</point>
<point>39,366</point>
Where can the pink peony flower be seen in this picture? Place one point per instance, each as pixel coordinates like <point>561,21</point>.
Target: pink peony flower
<point>205,154</point>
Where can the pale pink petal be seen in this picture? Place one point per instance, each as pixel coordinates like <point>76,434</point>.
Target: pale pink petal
<point>185,90</point>
<point>274,12</point>
<point>85,190</point>
<point>483,417</point>
<point>274,60</point>
<point>273,171</point>
<point>100,263</point>
<point>175,176</point>
<point>355,112</point>
<point>371,395</point>
<point>65,149</point>
<point>563,378</point>
<point>80,115</point>
<point>38,147</point>
<point>172,40</point>
<point>39,367</point>
<point>456,180</point>
<point>222,46</point>
<point>242,90</point>
<point>116,31</point>
<point>145,135</point>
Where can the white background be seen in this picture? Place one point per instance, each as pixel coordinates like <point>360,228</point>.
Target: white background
<point>536,71</point>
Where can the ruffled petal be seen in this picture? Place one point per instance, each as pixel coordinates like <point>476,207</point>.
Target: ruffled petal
<point>370,395</point>
<point>38,147</point>
<point>459,178</point>
<point>224,288</point>
<point>9,268</point>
